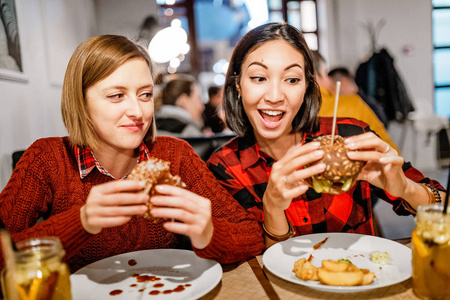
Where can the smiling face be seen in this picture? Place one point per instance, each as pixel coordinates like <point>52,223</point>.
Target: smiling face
<point>121,106</point>
<point>272,86</point>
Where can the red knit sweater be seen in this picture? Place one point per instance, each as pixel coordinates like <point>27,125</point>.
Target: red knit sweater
<point>46,183</point>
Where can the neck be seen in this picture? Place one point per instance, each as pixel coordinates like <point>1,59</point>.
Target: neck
<point>118,164</point>
<point>277,148</point>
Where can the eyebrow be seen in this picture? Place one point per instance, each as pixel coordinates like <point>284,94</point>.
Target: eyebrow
<point>265,67</point>
<point>120,87</point>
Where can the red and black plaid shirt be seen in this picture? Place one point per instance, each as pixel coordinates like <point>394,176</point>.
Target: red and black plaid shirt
<point>243,169</point>
<point>86,160</point>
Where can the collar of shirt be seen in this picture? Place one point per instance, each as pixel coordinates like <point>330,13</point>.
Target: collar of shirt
<point>86,160</point>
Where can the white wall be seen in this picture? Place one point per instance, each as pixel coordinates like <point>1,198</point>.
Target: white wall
<point>49,31</point>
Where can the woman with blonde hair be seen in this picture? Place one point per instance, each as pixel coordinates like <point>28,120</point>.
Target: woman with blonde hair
<point>73,183</point>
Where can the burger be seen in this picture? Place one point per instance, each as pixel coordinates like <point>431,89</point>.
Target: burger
<point>340,173</point>
<point>154,171</point>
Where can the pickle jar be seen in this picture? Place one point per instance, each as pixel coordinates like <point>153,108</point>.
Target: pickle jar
<point>431,253</point>
<point>38,272</point>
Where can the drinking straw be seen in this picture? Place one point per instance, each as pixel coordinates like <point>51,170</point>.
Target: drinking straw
<point>448,191</point>
<point>336,100</point>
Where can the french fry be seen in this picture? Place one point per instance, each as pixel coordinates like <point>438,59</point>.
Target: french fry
<point>336,273</point>
<point>340,278</point>
<point>335,266</point>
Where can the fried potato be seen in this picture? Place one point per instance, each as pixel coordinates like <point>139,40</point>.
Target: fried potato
<point>340,278</point>
<point>335,266</point>
<point>336,273</point>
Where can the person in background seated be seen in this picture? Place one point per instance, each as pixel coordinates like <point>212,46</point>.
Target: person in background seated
<point>212,118</point>
<point>349,87</point>
<point>272,102</point>
<point>74,183</point>
<point>181,112</point>
<point>349,106</point>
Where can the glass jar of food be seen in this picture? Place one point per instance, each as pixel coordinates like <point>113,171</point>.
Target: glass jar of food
<point>431,253</point>
<point>38,272</point>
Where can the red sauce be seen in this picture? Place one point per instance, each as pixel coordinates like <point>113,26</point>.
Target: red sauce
<point>158,285</point>
<point>179,288</point>
<point>133,285</point>
<point>141,290</point>
<point>146,278</point>
<point>155,292</point>
<point>116,292</point>
<point>135,275</point>
<point>187,284</point>
<point>168,292</point>
<point>132,262</point>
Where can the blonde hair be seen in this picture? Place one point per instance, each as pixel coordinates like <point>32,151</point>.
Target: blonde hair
<point>92,61</point>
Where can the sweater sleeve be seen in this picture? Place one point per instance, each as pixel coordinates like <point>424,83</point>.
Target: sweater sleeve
<point>237,235</point>
<point>26,203</point>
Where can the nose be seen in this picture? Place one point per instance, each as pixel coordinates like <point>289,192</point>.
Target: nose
<point>274,93</point>
<point>134,108</point>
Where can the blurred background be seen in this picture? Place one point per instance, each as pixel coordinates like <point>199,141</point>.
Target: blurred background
<point>197,37</point>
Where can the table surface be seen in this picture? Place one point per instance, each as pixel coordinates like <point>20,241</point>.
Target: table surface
<point>241,281</point>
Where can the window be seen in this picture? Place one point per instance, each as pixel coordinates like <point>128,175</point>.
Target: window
<point>299,13</point>
<point>441,56</point>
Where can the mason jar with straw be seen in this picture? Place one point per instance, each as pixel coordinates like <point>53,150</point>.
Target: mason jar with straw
<point>431,251</point>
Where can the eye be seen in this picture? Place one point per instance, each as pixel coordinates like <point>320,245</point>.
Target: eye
<point>257,78</point>
<point>293,80</point>
<point>146,96</point>
<point>116,96</point>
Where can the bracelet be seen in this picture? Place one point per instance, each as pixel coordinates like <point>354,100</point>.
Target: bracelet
<point>434,190</point>
<point>279,238</point>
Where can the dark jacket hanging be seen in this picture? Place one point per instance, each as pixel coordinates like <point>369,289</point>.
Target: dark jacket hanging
<point>379,79</point>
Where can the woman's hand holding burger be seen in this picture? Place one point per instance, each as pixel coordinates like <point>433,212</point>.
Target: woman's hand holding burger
<point>383,164</point>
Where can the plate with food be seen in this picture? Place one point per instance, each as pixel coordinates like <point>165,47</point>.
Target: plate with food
<point>339,262</point>
<point>171,273</point>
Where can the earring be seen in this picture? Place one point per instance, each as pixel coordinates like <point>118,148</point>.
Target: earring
<point>239,97</point>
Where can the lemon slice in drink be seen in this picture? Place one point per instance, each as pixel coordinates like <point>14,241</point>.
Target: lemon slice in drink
<point>421,248</point>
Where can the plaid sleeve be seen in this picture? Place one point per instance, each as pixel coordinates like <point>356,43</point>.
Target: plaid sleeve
<point>227,168</point>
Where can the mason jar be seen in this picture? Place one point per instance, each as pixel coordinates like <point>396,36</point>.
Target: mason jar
<point>38,272</point>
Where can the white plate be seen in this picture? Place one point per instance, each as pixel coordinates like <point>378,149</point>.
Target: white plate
<point>173,268</point>
<point>279,259</point>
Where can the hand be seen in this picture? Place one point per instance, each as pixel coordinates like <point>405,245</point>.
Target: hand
<point>191,210</point>
<point>384,166</point>
<point>112,204</point>
<point>286,181</point>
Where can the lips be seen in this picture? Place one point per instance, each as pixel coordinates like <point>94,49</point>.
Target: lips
<point>271,118</point>
<point>134,127</point>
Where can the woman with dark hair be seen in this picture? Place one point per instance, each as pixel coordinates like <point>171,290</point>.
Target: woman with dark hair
<point>74,183</point>
<point>271,102</point>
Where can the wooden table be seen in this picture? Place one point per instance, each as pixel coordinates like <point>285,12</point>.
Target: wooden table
<point>240,281</point>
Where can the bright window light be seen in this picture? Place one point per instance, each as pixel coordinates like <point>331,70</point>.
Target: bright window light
<point>168,43</point>
<point>308,15</point>
<point>259,12</point>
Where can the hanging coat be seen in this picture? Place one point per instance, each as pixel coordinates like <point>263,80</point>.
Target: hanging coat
<point>379,79</point>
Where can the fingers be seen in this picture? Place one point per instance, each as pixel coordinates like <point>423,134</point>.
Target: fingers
<point>118,186</point>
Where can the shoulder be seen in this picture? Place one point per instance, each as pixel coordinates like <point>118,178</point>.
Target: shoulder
<point>345,126</point>
<point>168,145</point>
<point>228,151</point>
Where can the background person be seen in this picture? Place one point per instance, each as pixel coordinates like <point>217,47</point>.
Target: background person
<point>349,87</point>
<point>350,105</point>
<point>212,118</point>
<point>271,102</point>
<point>181,112</point>
<point>72,182</point>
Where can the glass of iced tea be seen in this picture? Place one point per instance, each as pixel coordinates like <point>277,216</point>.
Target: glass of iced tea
<point>431,253</point>
<point>38,272</point>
